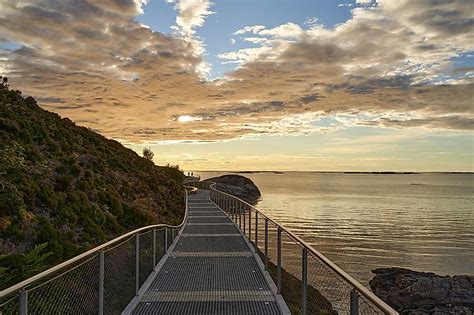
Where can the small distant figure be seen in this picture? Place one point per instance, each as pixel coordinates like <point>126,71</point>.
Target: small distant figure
<point>192,174</point>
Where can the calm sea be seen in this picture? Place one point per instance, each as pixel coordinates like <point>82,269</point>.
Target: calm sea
<point>362,222</point>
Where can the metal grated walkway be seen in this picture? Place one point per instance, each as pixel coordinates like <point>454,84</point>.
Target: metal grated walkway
<point>210,270</point>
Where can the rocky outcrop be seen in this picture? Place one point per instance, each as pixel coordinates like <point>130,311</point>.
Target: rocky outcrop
<point>413,292</point>
<point>239,186</point>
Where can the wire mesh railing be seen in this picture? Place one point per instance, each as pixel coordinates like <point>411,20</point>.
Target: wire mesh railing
<point>103,280</point>
<point>308,281</point>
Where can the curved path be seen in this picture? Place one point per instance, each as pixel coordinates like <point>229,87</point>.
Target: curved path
<point>210,269</point>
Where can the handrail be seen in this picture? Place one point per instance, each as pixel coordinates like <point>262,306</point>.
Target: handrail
<point>384,307</point>
<point>71,262</point>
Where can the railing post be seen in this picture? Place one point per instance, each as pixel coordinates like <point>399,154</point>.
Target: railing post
<point>279,260</point>
<point>154,248</point>
<point>245,225</point>
<point>166,239</point>
<point>23,303</point>
<point>240,216</point>
<point>304,275</point>
<point>137,263</point>
<point>354,302</point>
<point>256,229</point>
<point>250,224</point>
<point>101,282</point>
<point>234,209</point>
<point>266,244</point>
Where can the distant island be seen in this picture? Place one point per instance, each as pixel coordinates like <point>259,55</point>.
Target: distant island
<point>383,173</point>
<point>256,172</point>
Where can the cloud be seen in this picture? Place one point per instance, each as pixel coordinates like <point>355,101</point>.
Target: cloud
<point>250,29</point>
<point>95,64</point>
<point>192,14</point>
<point>445,122</point>
<point>314,21</point>
<point>288,30</point>
<point>256,40</point>
<point>364,2</point>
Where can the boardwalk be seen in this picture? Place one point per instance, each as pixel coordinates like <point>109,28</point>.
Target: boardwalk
<point>210,270</point>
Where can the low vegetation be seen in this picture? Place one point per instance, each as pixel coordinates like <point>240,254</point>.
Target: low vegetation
<point>65,188</point>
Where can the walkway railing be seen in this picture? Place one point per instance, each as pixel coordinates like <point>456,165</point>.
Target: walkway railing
<point>102,280</point>
<point>322,287</point>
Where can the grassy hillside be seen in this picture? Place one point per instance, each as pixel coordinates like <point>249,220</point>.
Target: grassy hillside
<point>69,188</point>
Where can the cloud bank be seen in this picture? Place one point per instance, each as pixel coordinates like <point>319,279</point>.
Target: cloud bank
<point>91,61</point>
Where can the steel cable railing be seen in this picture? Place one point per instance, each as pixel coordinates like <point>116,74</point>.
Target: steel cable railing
<point>308,281</point>
<point>102,280</point>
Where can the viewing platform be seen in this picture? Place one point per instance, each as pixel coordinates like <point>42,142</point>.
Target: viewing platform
<point>226,257</point>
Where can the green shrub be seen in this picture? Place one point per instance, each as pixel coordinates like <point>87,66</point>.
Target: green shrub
<point>15,267</point>
<point>11,200</point>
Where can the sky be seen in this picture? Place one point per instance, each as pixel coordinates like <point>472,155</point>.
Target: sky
<point>313,85</point>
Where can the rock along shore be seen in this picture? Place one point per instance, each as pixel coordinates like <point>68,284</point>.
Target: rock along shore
<point>239,186</point>
<point>415,293</point>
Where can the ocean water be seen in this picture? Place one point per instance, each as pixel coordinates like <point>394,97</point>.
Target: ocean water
<point>361,222</point>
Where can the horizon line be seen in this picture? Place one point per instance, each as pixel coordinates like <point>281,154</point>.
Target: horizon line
<point>347,171</point>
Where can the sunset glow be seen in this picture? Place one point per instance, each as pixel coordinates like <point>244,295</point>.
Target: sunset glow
<point>316,85</point>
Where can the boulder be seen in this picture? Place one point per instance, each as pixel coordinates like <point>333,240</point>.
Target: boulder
<point>239,186</point>
<point>414,292</point>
